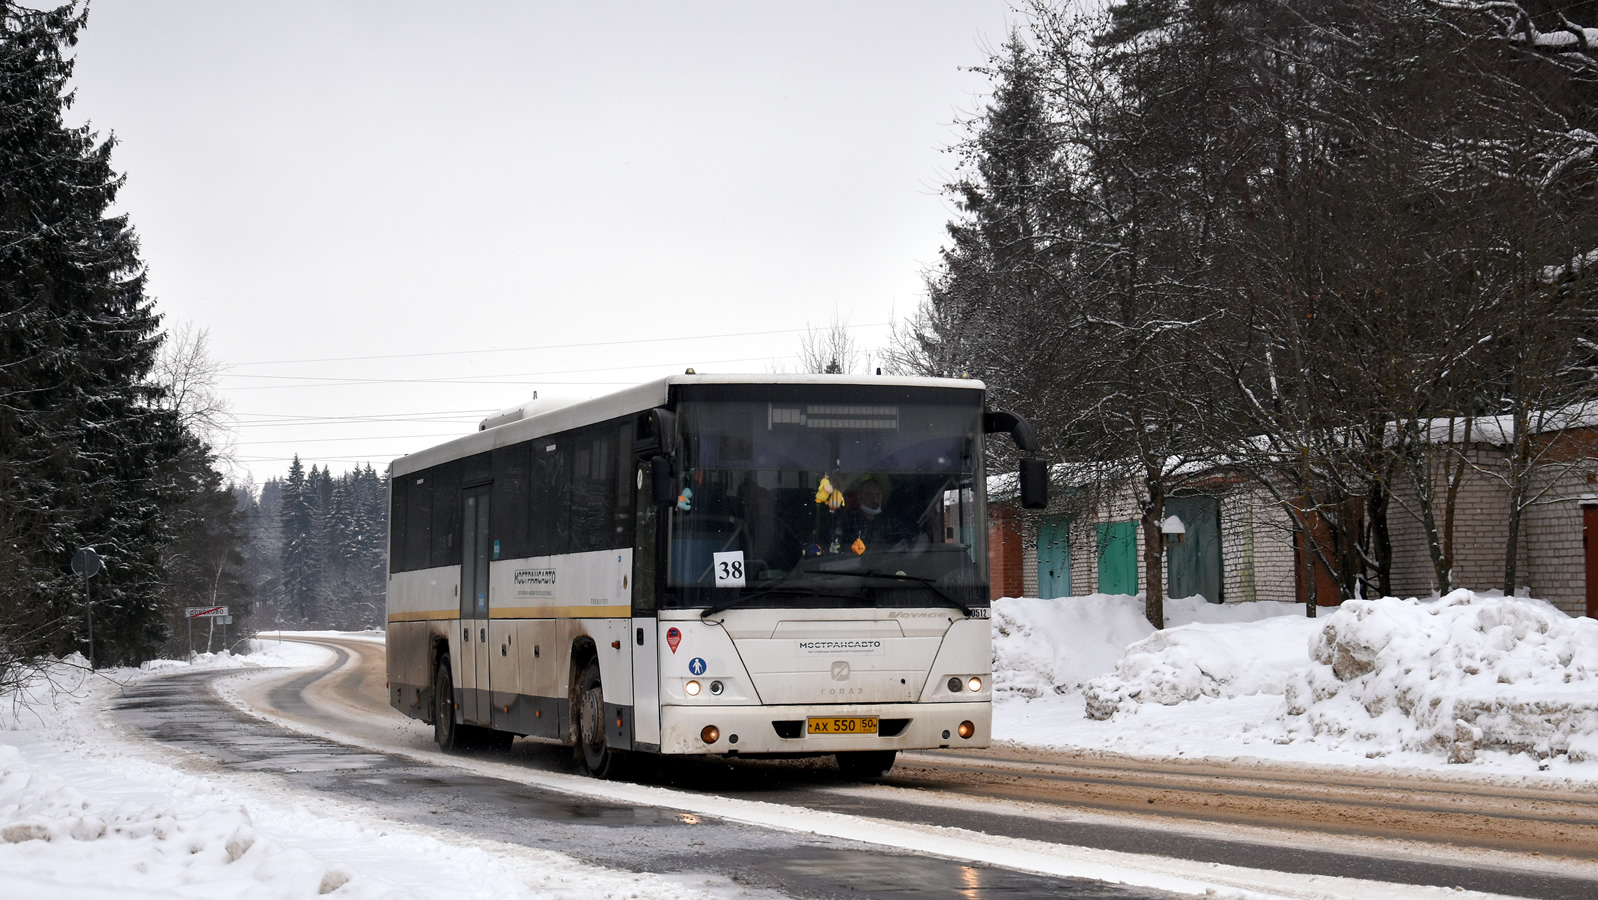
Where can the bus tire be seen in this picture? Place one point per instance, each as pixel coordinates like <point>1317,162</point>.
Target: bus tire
<point>593,750</point>
<point>446,731</point>
<point>866,765</point>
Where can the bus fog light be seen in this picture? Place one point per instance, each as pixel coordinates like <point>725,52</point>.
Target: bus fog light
<point>691,688</point>
<point>710,734</point>
<point>967,729</point>
<point>975,684</point>
<point>717,687</point>
<point>954,685</point>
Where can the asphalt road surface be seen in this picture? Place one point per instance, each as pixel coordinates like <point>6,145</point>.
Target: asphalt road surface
<point>1420,831</point>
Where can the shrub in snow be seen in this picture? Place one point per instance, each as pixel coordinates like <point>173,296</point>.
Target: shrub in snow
<point>1192,661</point>
<point>1454,675</point>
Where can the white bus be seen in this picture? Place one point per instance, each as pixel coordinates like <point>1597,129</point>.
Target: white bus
<point>733,565</point>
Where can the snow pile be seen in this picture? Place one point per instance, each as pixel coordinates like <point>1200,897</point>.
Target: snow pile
<point>1044,647</point>
<point>1461,673</point>
<point>87,812</point>
<point>52,834</point>
<point>1185,663</point>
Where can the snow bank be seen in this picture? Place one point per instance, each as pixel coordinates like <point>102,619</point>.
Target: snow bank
<point>1458,674</point>
<point>1043,647</point>
<point>1432,681</point>
<point>87,813</point>
<point>51,834</point>
<point>1185,663</point>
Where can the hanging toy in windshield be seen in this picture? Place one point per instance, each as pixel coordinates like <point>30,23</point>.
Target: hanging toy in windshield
<point>829,495</point>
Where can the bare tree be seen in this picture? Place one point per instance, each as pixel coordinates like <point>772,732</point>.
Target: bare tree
<point>187,373</point>
<point>831,350</point>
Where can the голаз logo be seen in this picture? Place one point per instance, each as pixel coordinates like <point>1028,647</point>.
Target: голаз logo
<point>840,670</point>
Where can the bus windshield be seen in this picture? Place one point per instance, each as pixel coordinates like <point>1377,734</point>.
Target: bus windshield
<point>821,497</point>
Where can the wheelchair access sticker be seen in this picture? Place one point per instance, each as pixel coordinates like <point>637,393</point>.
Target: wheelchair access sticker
<point>696,665</point>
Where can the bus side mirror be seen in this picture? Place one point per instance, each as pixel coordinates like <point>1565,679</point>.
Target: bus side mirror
<point>662,481</point>
<point>1019,429</point>
<point>1034,484</point>
<point>664,422</point>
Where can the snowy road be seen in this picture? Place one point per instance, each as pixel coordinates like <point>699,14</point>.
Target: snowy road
<point>795,829</point>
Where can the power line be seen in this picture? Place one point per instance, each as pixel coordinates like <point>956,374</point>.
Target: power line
<point>475,379</point>
<point>694,337</point>
<point>376,437</point>
<point>285,387</point>
<point>302,423</point>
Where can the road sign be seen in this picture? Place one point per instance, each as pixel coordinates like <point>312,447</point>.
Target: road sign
<point>206,612</point>
<point>85,562</point>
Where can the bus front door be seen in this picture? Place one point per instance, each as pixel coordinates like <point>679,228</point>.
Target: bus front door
<point>473,667</point>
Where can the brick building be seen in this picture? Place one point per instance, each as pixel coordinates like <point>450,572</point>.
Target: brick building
<point>1240,546</point>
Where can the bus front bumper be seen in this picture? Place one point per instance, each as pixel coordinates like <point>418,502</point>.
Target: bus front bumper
<point>786,729</point>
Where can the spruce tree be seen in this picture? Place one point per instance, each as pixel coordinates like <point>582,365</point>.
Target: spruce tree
<point>86,458</point>
<point>297,516</point>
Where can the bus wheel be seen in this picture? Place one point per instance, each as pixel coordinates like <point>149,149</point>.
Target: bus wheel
<point>866,764</point>
<point>446,732</point>
<point>598,759</point>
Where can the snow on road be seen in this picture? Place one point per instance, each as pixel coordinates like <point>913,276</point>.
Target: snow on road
<point>1500,685</point>
<point>86,812</point>
<point>1470,683</point>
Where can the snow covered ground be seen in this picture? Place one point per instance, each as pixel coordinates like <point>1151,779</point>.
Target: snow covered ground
<point>87,813</point>
<point>1470,682</point>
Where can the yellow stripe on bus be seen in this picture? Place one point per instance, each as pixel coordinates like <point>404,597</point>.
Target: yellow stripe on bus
<point>523,612</point>
<point>423,616</point>
<point>563,612</point>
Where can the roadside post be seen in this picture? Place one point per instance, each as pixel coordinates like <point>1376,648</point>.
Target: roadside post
<point>86,563</point>
<point>207,612</point>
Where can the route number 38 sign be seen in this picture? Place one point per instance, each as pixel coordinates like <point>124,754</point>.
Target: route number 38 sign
<point>729,568</point>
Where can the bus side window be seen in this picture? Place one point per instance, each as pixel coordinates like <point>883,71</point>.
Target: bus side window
<point>593,491</point>
<point>445,479</point>
<point>645,550</point>
<point>418,521</point>
<point>624,486</point>
<point>509,507</point>
<point>396,524</point>
<point>550,518</point>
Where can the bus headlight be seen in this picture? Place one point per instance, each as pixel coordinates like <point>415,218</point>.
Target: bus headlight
<point>975,684</point>
<point>967,729</point>
<point>954,685</point>
<point>691,688</point>
<point>710,734</point>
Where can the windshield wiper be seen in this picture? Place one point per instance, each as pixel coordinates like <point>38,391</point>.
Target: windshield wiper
<point>778,588</point>
<point>929,583</point>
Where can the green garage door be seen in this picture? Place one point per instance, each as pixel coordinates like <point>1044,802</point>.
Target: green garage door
<point>1195,564</point>
<point>1117,557</point>
<point>1054,558</point>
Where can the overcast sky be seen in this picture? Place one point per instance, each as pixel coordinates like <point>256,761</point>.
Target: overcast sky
<point>629,189</point>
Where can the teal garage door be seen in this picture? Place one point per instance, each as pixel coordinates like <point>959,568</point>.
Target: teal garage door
<point>1054,558</point>
<point>1195,564</point>
<point>1117,557</point>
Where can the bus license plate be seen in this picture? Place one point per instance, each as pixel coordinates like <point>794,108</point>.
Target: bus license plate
<point>843,724</point>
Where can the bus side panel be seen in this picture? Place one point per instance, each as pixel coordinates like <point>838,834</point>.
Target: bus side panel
<point>537,707</point>
<point>410,676</point>
<point>613,644</point>
<point>421,606</point>
<point>646,684</point>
